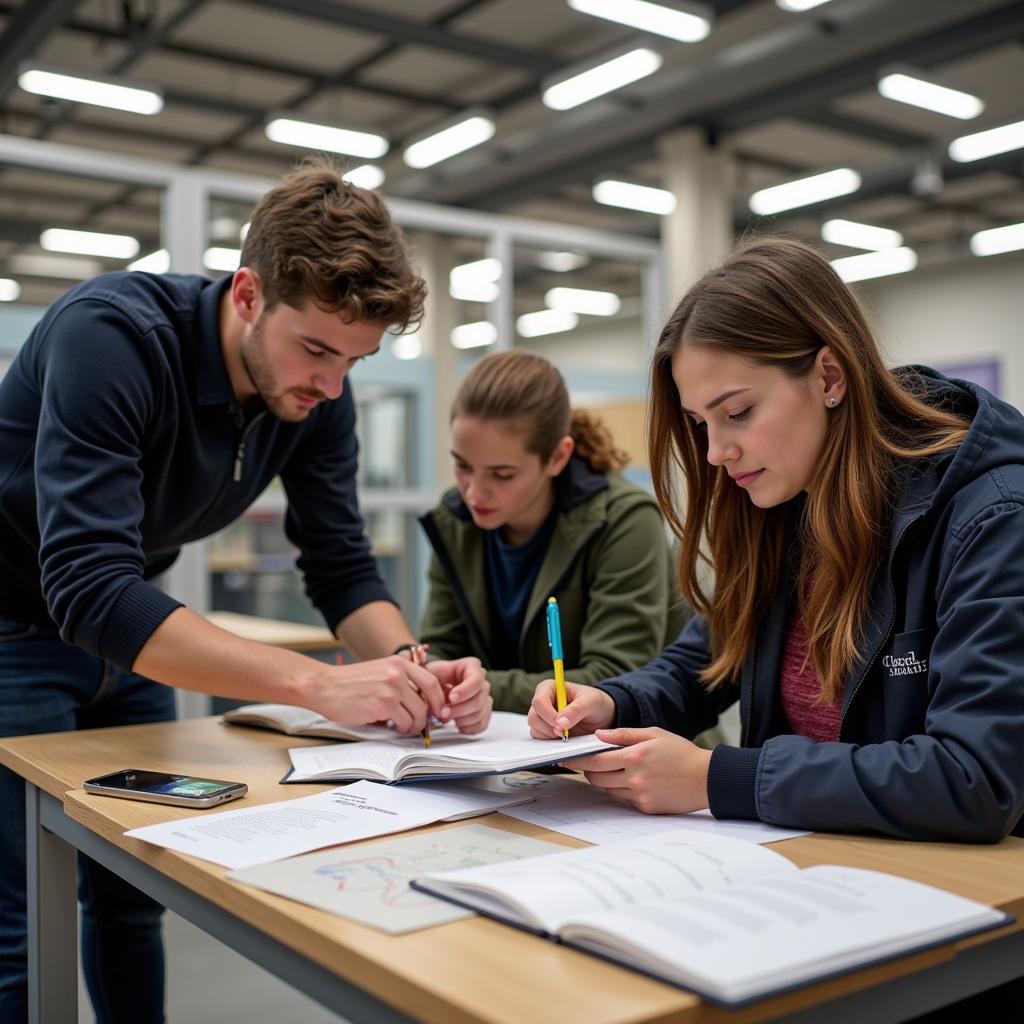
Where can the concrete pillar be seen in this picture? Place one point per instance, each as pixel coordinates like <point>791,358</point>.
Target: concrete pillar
<point>699,233</point>
<point>435,260</point>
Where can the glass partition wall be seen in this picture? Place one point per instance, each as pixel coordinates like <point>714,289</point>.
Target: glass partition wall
<point>487,274</point>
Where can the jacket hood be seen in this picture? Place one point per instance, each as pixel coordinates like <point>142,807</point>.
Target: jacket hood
<point>995,438</point>
<point>576,484</point>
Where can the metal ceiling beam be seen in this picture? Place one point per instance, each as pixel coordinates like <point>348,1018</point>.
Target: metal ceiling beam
<point>403,30</point>
<point>27,27</point>
<point>153,36</point>
<point>887,178</point>
<point>978,30</point>
<point>265,65</point>
<point>784,63</point>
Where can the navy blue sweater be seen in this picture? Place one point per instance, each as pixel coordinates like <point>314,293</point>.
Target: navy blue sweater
<point>931,738</point>
<point>120,440</point>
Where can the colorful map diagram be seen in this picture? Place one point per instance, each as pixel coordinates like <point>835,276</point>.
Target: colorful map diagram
<point>369,882</point>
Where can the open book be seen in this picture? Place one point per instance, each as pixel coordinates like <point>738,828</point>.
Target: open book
<point>302,722</point>
<point>497,751</point>
<point>730,920</point>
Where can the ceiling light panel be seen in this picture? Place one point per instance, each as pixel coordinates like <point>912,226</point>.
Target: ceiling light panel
<point>97,91</point>
<point>291,131</point>
<point>470,129</point>
<point>685,23</point>
<point>804,191</point>
<point>574,87</point>
<point>907,85</point>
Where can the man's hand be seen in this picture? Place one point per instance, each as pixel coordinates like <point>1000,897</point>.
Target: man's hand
<point>467,693</point>
<point>586,709</point>
<point>385,689</point>
<point>656,771</point>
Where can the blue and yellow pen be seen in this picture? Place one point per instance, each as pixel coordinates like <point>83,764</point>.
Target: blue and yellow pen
<point>555,643</point>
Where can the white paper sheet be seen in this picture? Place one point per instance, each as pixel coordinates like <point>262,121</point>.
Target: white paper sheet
<point>586,812</point>
<point>255,835</point>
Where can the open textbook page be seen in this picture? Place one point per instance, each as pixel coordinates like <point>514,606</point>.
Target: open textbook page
<point>397,760</point>
<point>302,722</point>
<point>728,919</point>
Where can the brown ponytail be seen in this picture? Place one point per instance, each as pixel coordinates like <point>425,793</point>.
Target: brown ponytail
<point>594,443</point>
<point>525,388</point>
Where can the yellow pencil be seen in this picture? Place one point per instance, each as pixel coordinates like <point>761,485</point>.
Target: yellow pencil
<point>555,643</point>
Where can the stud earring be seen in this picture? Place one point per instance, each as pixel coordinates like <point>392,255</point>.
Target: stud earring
<point>832,403</point>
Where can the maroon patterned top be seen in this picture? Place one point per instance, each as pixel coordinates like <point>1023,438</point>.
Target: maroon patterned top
<point>800,688</point>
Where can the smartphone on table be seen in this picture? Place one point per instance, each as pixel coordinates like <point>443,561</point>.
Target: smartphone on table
<point>165,788</point>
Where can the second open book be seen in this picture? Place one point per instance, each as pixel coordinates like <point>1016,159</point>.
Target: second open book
<point>731,920</point>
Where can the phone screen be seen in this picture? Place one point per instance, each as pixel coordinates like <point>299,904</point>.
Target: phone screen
<point>187,786</point>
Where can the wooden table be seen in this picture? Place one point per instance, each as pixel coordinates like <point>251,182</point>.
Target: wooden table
<point>472,971</point>
<point>294,636</point>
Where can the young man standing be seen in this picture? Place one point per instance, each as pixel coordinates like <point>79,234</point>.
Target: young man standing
<point>145,412</point>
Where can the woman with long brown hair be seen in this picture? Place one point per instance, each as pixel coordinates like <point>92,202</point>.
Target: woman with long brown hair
<point>853,541</point>
<point>541,510</point>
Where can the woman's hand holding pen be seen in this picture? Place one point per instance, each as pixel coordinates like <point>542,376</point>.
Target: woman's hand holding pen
<point>384,689</point>
<point>656,771</point>
<point>586,709</point>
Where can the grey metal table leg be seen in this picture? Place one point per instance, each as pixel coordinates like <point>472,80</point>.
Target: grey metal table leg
<point>52,920</point>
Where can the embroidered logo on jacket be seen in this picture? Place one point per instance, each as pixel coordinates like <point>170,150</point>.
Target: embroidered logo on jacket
<point>905,665</point>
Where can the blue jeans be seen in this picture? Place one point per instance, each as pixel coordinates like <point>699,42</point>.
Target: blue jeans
<point>49,686</point>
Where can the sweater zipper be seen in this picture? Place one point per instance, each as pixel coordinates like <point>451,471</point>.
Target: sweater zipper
<point>240,451</point>
<point>885,636</point>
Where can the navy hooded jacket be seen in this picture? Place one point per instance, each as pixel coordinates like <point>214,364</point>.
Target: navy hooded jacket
<point>121,440</point>
<point>931,736</point>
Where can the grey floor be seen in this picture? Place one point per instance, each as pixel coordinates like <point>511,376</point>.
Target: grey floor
<point>207,983</point>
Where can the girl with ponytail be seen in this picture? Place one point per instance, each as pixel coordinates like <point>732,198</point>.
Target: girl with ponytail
<point>541,510</point>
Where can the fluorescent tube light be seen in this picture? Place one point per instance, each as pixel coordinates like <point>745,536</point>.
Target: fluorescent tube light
<point>158,262</point>
<point>368,176</point>
<point>546,321</point>
<point>89,243</point>
<point>217,257</point>
<point>70,268</point>
<point>860,236</point>
<point>597,80</point>
<point>474,335</point>
<point>993,241</point>
<point>686,23</point>
<point>469,129</point>
<point>875,264</point>
<point>797,6</point>
<point>804,191</point>
<point>988,143</point>
<point>114,93</point>
<point>634,197</point>
<point>907,85</point>
<point>293,132</point>
<point>407,346</point>
<point>561,262</point>
<point>9,290</point>
<point>583,300</point>
<point>476,281</point>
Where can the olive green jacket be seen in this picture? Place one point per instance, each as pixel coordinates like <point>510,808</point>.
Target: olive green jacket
<point>608,565</point>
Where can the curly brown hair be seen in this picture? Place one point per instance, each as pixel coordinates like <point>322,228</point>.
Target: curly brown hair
<point>315,236</point>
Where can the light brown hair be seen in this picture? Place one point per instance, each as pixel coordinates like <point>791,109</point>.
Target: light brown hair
<point>777,302</point>
<point>526,390</point>
<point>314,236</point>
